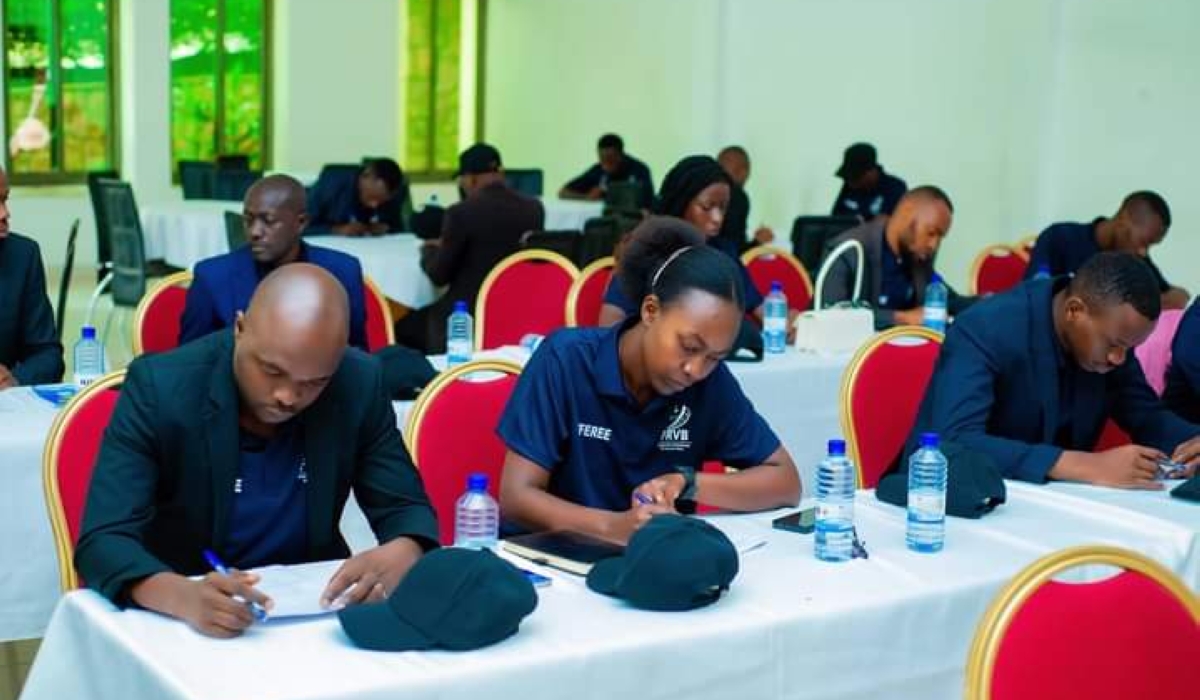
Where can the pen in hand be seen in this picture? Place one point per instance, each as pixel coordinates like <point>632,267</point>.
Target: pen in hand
<point>259,612</point>
<point>642,498</point>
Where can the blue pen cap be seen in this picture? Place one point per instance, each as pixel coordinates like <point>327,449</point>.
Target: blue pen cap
<point>837,448</point>
<point>929,440</point>
<point>477,482</point>
<point>460,307</point>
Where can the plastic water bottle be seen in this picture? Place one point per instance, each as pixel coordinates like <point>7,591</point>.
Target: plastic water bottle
<point>926,497</point>
<point>835,505</point>
<point>476,516</point>
<point>460,335</point>
<point>775,315</point>
<point>1043,272</point>
<point>531,341</point>
<point>89,358</point>
<point>432,201</point>
<point>935,304</point>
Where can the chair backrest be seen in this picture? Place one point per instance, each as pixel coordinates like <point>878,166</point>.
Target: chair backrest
<point>67,462</point>
<point>232,185</point>
<point>233,161</point>
<point>767,264</point>
<point>998,268</point>
<point>119,214</point>
<point>451,432</point>
<point>1134,634</point>
<point>156,320</point>
<point>564,242</point>
<point>1025,245</point>
<point>103,244</point>
<point>235,230</point>
<point>524,293</point>
<point>196,178</point>
<point>623,197</point>
<point>64,284</point>
<point>1154,353</point>
<point>527,181</point>
<point>811,233</point>
<point>881,393</point>
<point>587,292</point>
<point>380,333</point>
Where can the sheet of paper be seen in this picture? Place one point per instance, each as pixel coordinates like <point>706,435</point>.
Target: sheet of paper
<point>746,536</point>
<point>296,589</point>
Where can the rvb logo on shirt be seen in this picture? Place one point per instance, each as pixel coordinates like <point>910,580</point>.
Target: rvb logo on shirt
<point>675,436</point>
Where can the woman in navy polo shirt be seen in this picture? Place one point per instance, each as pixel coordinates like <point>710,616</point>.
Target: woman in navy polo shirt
<point>609,426</point>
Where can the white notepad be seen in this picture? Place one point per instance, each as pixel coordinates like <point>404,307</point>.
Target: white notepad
<point>296,589</point>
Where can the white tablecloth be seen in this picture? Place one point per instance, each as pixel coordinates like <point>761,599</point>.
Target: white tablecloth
<point>569,214</point>
<point>897,625</point>
<point>393,261</point>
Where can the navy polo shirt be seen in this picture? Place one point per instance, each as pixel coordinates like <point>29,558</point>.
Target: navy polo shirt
<point>571,414</point>
<point>754,299</point>
<point>1064,248</point>
<point>895,281</point>
<point>268,523</point>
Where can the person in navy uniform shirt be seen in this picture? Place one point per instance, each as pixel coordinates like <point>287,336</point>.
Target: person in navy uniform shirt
<point>247,443</point>
<point>867,191</point>
<point>614,165</point>
<point>1140,223</point>
<point>30,352</point>
<point>373,201</point>
<point>1030,376</point>
<point>275,219</point>
<point>1182,391</point>
<point>610,426</point>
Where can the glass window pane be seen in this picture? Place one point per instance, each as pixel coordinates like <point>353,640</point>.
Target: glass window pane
<point>193,80</point>
<point>418,109</point>
<point>445,128</point>
<point>27,42</point>
<point>243,124</point>
<point>86,112</point>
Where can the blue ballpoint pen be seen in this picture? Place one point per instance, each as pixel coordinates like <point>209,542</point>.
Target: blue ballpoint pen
<point>215,562</point>
<point>643,499</point>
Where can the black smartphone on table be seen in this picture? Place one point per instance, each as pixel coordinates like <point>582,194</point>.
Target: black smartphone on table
<point>802,521</point>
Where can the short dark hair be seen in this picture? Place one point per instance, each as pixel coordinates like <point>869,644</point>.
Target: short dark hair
<point>734,149</point>
<point>1152,201</point>
<point>387,170</point>
<point>932,192</point>
<point>668,257</point>
<point>611,141</point>
<point>1111,279</point>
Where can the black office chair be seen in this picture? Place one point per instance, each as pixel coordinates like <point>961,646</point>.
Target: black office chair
<point>232,185</point>
<point>810,234</point>
<point>233,161</point>
<point>600,237</point>
<point>127,279</point>
<point>235,230</point>
<point>197,178</point>
<point>103,248</point>
<point>564,242</point>
<point>623,198</point>
<point>64,284</point>
<point>527,181</point>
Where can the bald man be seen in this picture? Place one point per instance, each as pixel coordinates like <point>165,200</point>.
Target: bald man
<point>899,252</point>
<point>275,216</point>
<point>247,443</point>
<point>1140,223</point>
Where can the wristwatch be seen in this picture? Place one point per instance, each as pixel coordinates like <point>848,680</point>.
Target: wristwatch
<point>689,483</point>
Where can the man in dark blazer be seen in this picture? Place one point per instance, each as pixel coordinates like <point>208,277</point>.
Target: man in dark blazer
<point>372,201</point>
<point>247,443</point>
<point>477,233</point>
<point>1182,391</point>
<point>1030,376</point>
<point>899,252</point>
<point>29,349</point>
<point>275,219</point>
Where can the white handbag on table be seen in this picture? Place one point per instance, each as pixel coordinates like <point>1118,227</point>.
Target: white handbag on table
<point>838,329</point>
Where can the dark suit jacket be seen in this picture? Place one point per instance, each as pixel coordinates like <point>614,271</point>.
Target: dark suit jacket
<point>1182,391</point>
<point>333,200</point>
<point>162,488</point>
<point>222,286</point>
<point>995,389</point>
<point>29,345</point>
<point>839,282</point>
<point>476,234</point>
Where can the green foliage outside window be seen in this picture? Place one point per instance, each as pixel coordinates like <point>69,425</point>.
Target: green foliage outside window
<point>432,84</point>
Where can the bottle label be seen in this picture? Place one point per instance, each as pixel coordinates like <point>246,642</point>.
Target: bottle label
<point>935,313</point>
<point>927,501</point>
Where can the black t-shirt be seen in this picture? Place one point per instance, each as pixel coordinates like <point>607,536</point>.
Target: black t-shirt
<point>630,170</point>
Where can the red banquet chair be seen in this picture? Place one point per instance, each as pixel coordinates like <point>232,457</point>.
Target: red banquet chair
<point>587,293</point>
<point>67,462</point>
<point>524,293</point>
<point>767,264</point>
<point>380,332</point>
<point>156,320</point>
<point>881,393</point>
<point>451,432</point>
<point>1130,635</point>
<point>998,268</point>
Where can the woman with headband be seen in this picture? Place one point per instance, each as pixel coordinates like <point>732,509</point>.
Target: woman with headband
<point>610,426</point>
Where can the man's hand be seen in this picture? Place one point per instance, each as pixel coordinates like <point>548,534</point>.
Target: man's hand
<point>595,193</point>
<point>352,228</point>
<point>215,606</point>
<point>1126,467</point>
<point>661,490</point>
<point>909,317</point>
<point>371,575</point>
<point>764,235</point>
<point>622,525</point>
<point>1188,453</point>
<point>7,380</point>
<point>377,229</point>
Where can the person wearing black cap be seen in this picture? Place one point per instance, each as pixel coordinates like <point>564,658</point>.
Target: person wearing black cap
<point>477,233</point>
<point>372,202</point>
<point>1140,223</point>
<point>867,191</point>
<point>1029,378</point>
<point>610,426</point>
<point>614,165</point>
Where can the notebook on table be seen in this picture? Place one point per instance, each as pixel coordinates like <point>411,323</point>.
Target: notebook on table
<point>566,550</point>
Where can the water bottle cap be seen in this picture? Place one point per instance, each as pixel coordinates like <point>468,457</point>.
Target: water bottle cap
<point>776,286</point>
<point>1043,269</point>
<point>477,482</point>
<point>929,440</point>
<point>936,278</point>
<point>89,333</point>
<point>837,448</point>
<point>460,307</point>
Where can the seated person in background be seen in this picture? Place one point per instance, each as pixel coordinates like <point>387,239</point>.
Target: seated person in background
<point>30,352</point>
<point>736,163</point>
<point>370,203</point>
<point>696,190</point>
<point>1141,222</point>
<point>477,233</point>
<point>1182,391</point>
<point>247,444</point>
<point>275,218</point>
<point>615,165</point>
<point>899,253</point>
<point>1029,378</point>
<point>867,191</point>
<point>610,426</point>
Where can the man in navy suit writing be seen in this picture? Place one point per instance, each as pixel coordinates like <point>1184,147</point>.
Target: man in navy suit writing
<point>275,216</point>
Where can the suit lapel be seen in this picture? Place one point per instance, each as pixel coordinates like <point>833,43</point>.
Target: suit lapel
<point>243,281</point>
<point>220,418</point>
<point>320,454</point>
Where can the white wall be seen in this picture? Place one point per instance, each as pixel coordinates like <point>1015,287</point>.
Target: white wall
<point>1026,111</point>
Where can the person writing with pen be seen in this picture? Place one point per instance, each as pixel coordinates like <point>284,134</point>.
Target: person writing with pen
<point>608,427</point>
<point>241,448</point>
